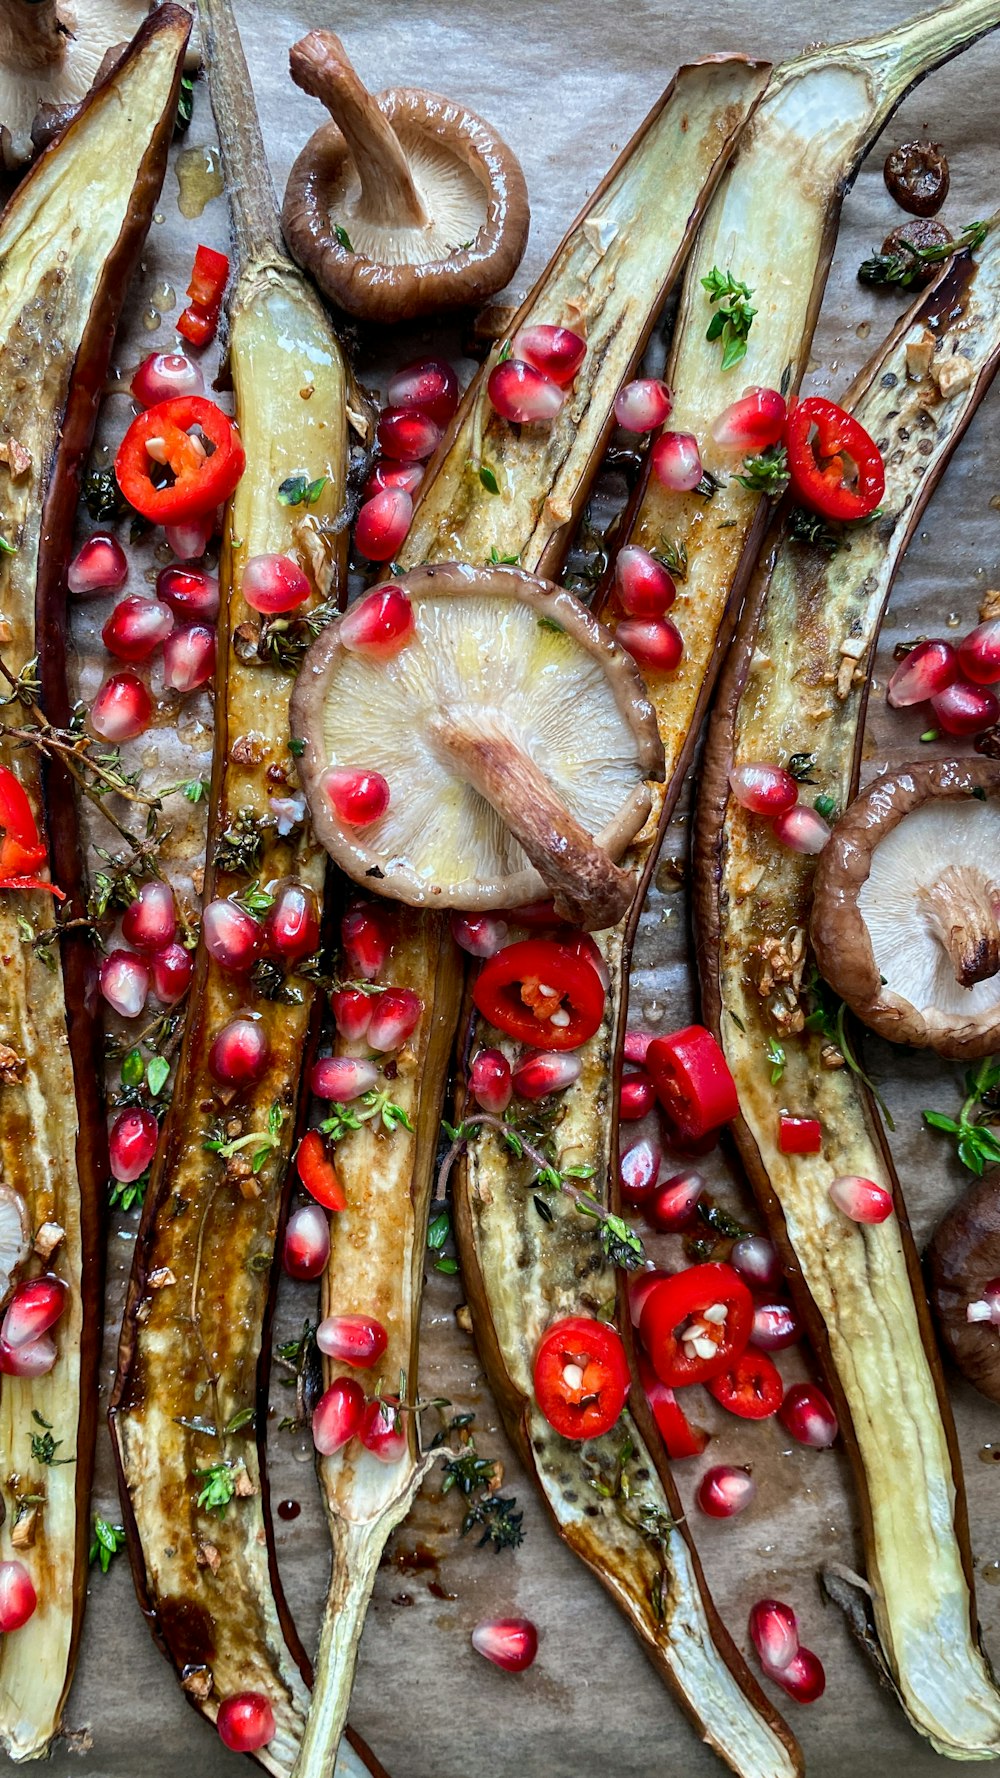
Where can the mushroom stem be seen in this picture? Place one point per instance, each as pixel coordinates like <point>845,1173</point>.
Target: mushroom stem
<point>587,888</point>
<point>320,66</point>
<point>961,913</point>
<point>32,37</point>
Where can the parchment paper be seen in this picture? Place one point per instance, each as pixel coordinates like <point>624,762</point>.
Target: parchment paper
<point>566,83</point>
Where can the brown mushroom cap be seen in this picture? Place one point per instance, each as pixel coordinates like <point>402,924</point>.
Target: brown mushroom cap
<point>905,907</point>
<point>962,1259</point>
<point>50,55</point>
<point>516,739</point>
<point>406,203</point>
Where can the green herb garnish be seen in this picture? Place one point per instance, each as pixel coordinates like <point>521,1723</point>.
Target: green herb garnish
<point>298,490</point>
<point>976,1144</point>
<point>733,318</point>
<point>108,1539</point>
<point>766,473</point>
<point>905,267</point>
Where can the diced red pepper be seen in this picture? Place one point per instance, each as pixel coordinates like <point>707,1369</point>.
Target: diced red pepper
<point>799,1135</point>
<point>208,282</point>
<point>692,1080</point>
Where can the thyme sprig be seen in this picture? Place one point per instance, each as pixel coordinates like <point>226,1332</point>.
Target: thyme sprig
<point>733,318</point>
<point>263,1142</point>
<point>378,1105</point>
<point>976,1143</point>
<point>829,1017</point>
<point>905,268</point>
<point>766,473</point>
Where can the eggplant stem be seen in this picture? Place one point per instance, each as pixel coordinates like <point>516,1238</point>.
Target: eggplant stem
<point>389,196</point>
<point>249,188</point>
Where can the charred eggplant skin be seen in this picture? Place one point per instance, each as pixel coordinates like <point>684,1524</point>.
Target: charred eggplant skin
<point>859,1286</point>
<point>52,1129</point>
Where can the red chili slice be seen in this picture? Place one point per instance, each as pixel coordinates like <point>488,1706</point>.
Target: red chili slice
<point>692,1081</point>
<point>200,482</point>
<point>22,850</point>
<point>581,1376</point>
<point>542,993</point>
<point>673,1315</point>
<point>751,1388</point>
<point>836,468</point>
<point>799,1135</point>
<point>680,1437</point>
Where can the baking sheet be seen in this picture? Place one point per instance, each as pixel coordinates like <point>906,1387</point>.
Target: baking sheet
<point>566,84</point>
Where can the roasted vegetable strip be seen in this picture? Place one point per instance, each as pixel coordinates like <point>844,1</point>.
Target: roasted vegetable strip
<point>647,205</point>
<point>189,1381</point>
<point>68,241</point>
<point>797,683</point>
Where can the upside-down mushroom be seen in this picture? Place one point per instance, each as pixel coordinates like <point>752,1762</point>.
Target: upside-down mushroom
<point>51,53</point>
<point>906,905</point>
<point>405,204</point>
<point>500,753</point>
<point>963,1279</point>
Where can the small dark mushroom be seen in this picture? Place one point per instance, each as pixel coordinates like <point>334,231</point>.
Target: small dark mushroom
<point>902,242</point>
<point>406,203</point>
<point>514,736</point>
<point>963,1280</point>
<point>906,904</point>
<point>917,176</point>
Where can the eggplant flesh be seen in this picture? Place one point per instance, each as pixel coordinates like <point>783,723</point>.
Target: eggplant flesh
<point>798,683</point>
<point>68,241</point>
<point>544,475</point>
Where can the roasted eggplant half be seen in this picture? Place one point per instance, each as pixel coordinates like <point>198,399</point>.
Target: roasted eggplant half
<point>797,681</point>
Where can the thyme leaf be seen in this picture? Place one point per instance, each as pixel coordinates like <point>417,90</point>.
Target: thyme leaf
<point>733,318</point>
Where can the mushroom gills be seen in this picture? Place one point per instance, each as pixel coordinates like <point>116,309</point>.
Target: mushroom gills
<point>933,921</point>
<point>452,200</point>
<point>51,53</point>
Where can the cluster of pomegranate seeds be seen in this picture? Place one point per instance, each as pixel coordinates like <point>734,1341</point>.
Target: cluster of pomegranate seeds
<point>861,1199</point>
<point>643,405</point>
<point>676,461</point>
<point>379,625</point>
<point>356,796</point>
<point>132,1144</point>
<point>491,1082</point>
<point>165,375</point>
<point>955,682</point>
<point>509,1642</point>
<point>771,792</point>
<point>421,399</point>
<point>529,387</point>
<point>357,1340</point>
<point>240,1053</point>
<point>35,1306</point>
<point>190,594</point>
<point>99,566</point>
<point>246,1722</point>
<point>307,1242</point>
<point>18,1598</point>
<point>774,1633</point>
<point>725,1490</point>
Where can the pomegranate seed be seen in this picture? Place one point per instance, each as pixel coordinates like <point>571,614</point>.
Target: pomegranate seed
<point>926,670</point>
<point>124,982</point>
<point>318,1173</point>
<point>381,1430</point>
<point>307,1242</point>
<point>132,1144</point>
<point>191,539</point>
<point>395,1017</point>
<point>240,1054</point>
<point>806,1414</point>
<point>246,1722</point>
<point>291,930</point>
<point>639,1289</point>
<point>365,938</point>
<point>636,1098</point>
<point>988,1306</point>
<point>352,1011</point>
<point>802,830</point>
<point>274,584</point>
<point>643,405</point>
<point>379,625</point>
<point>642,583</point>
<point>343,1078</point>
<point>136,628</point>
<point>756,1260</point>
<point>17,1596</point>
<point>357,797</point>
<point>775,1326</point>
<point>189,593</point>
<point>752,423</point>
<point>725,1491</point>
<point>99,566</point>
<point>34,1360</point>
<point>164,375</point>
<point>407,435</point>
<point>861,1199</point>
<point>231,936</point>
<point>545,1071</point>
<point>799,1135</point>
<point>803,1679</point>
<point>676,461</point>
<point>763,789</point>
<point>481,937</point>
<point>673,1203</point>
<point>522,394</point>
<point>963,709</point>
<point>189,658</point>
<point>430,386</point>
<point>122,708</point>
<point>150,921</point>
<point>352,1339</point>
<point>979,654</point>
<point>337,1416</point>
<point>388,474</point>
<point>636,1045</point>
<point>35,1307</point>
<point>172,972</point>
<point>509,1642</point>
<point>638,1169</point>
<point>774,1633</point>
<point>652,642</point>
<point>490,1081</point>
<point>382,523</point>
<point>556,351</point>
